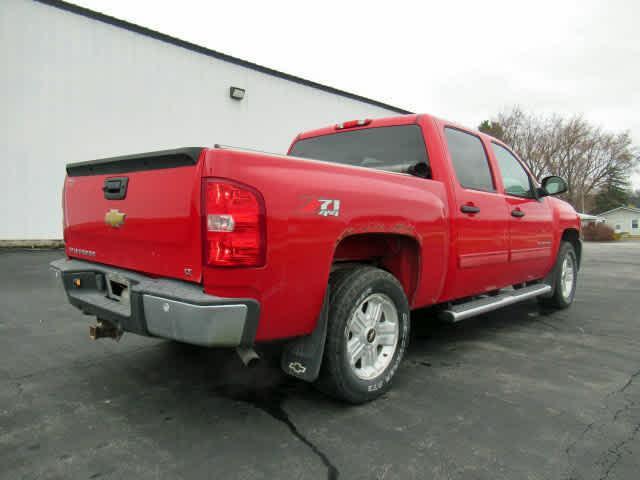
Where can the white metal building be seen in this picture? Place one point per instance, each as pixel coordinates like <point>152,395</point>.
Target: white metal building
<point>623,220</point>
<point>78,85</point>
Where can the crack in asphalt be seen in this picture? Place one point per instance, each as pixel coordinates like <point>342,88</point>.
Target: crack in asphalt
<point>572,445</point>
<point>604,461</point>
<point>624,387</point>
<point>629,382</point>
<point>624,409</point>
<point>616,450</point>
<point>617,453</point>
<point>578,438</point>
<point>270,400</point>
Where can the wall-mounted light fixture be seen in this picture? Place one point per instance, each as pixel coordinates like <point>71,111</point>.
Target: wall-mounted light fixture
<point>236,93</point>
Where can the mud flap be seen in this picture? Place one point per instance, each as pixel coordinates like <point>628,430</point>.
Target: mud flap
<point>550,279</point>
<point>302,357</point>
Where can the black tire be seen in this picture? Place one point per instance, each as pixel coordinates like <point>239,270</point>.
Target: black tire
<point>350,287</point>
<point>561,298</point>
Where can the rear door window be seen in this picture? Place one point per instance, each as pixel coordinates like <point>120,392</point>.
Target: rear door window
<point>393,149</point>
<point>469,160</point>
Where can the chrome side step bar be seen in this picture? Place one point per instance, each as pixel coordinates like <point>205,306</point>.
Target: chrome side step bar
<point>455,313</point>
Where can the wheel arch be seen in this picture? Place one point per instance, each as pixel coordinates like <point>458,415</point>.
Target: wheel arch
<point>572,236</point>
<point>398,254</point>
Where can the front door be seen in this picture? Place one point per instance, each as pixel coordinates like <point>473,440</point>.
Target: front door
<point>530,220</point>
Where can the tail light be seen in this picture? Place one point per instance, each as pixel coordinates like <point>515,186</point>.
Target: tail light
<point>234,225</point>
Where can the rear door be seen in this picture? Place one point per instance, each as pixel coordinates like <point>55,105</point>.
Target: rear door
<point>139,212</point>
<point>479,218</point>
<point>530,219</point>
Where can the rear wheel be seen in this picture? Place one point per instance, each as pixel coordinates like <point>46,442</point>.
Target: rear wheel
<point>563,278</point>
<point>367,334</point>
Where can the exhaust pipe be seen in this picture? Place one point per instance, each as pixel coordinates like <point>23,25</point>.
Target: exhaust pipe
<point>104,329</point>
<point>248,356</point>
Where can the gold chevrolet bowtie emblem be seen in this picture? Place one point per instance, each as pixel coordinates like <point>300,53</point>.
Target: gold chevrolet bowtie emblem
<point>114,218</point>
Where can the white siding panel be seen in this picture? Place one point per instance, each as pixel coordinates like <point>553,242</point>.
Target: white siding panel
<point>75,89</point>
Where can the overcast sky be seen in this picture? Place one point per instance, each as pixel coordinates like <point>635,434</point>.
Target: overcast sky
<point>462,60</point>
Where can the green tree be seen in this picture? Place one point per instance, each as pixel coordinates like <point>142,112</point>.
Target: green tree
<point>492,128</point>
<point>615,194</point>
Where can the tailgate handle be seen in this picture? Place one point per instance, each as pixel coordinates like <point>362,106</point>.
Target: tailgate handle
<point>115,188</point>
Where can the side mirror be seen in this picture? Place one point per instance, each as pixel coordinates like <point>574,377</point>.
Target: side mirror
<point>553,185</point>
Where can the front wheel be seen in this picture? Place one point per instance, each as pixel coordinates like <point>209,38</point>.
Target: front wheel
<point>563,278</point>
<point>367,334</point>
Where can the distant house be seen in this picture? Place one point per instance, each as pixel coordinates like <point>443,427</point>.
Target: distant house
<point>623,220</point>
<point>587,219</point>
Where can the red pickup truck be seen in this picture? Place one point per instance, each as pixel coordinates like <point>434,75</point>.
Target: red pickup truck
<point>326,249</point>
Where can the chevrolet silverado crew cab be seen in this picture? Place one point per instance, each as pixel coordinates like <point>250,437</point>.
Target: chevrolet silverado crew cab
<point>326,249</point>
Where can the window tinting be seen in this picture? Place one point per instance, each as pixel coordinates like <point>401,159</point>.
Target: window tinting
<point>514,177</point>
<point>469,160</point>
<point>393,149</point>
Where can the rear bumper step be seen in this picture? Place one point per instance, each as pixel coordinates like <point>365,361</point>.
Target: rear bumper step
<point>159,307</point>
<point>484,305</point>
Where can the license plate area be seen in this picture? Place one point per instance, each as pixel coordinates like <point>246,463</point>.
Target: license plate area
<point>118,288</point>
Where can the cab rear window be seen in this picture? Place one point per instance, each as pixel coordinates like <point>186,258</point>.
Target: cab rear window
<point>393,149</point>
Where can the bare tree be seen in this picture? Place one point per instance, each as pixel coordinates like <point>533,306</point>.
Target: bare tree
<point>589,158</point>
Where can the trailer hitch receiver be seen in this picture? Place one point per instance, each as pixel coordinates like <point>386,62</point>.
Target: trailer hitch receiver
<point>104,329</point>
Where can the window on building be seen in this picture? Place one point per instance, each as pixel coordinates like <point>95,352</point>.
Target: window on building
<point>469,160</point>
<point>634,223</point>
<point>514,177</point>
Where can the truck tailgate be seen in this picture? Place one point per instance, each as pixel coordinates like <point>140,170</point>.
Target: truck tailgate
<point>138,212</point>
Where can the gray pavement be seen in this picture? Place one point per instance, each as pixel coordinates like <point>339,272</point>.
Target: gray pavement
<point>519,393</point>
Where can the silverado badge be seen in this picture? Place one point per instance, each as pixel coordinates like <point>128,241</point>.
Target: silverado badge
<point>114,218</point>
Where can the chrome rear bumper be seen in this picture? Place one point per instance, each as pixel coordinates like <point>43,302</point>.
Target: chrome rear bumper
<point>158,307</point>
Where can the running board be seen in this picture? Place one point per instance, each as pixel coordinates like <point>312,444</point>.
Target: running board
<point>462,311</point>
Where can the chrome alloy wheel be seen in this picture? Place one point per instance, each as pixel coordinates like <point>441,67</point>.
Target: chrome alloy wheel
<point>567,277</point>
<point>372,335</point>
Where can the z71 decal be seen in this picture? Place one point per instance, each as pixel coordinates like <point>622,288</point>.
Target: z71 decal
<point>324,207</point>
<point>329,207</point>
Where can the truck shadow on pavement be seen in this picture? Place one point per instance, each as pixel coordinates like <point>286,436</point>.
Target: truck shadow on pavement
<point>202,374</point>
<point>266,387</point>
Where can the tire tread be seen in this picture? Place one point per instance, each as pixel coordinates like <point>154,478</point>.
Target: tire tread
<point>346,286</point>
<point>556,300</point>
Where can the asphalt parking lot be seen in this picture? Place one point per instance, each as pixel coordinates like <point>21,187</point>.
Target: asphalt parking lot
<point>519,393</point>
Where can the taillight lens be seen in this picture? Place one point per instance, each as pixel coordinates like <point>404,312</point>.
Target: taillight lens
<point>234,225</point>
